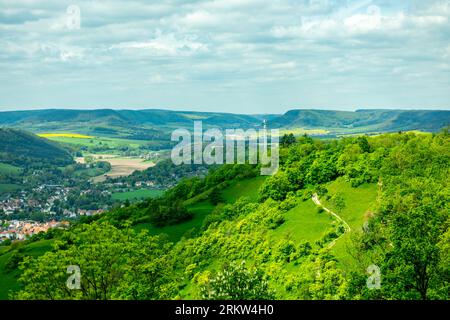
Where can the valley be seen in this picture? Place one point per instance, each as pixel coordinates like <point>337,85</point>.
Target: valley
<point>311,230</point>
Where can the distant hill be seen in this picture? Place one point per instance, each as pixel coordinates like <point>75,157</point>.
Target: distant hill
<point>153,124</point>
<point>364,120</point>
<point>21,148</point>
<point>112,121</point>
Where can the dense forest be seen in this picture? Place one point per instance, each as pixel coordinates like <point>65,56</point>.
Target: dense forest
<point>239,253</point>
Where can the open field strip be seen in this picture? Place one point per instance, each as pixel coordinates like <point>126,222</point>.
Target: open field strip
<point>64,135</point>
<point>302,131</point>
<point>122,167</point>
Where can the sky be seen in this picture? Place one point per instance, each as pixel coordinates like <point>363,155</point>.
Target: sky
<point>240,56</point>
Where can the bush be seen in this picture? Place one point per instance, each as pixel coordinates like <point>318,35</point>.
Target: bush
<point>13,262</point>
<point>237,282</point>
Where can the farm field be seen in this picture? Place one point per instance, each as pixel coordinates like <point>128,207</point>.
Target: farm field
<point>91,141</point>
<point>137,194</point>
<point>302,131</point>
<point>122,167</point>
<point>64,135</point>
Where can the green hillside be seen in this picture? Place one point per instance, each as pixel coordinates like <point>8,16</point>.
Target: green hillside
<point>19,148</point>
<point>155,125</point>
<point>8,169</point>
<point>364,121</point>
<point>386,200</point>
<point>242,188</point>
<point>152,124</point>
<point>9,277</point>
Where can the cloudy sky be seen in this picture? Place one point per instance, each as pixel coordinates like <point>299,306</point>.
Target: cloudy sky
<point>243,56</point>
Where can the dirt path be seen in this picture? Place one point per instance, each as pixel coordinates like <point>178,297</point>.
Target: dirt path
<point>315,199</point>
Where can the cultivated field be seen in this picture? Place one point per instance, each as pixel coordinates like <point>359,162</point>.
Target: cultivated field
<point>65,135</point>
<point>120,166</point>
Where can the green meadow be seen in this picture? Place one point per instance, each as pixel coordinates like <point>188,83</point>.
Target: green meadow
<point>200,209</point>
<point>9,169</point>
<point>137,194</point>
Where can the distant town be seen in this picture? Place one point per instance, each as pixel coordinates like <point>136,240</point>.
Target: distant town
<point>22,230</point>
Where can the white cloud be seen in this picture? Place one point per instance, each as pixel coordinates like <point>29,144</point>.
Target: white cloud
<point>165,45</point>
<point>290,46</point>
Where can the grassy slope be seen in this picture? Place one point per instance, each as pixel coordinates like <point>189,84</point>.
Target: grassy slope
<point>358,203</point>
<point>6,187</point>
<point>137,194</point>
<point>176,232</point>
<point>9,169</point>
<point>245,188</point>
<point>8,281</point>
<point>303,223</point>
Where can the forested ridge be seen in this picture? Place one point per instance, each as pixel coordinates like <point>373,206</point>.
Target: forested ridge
<point>21,148</point>
<point>239,253</point>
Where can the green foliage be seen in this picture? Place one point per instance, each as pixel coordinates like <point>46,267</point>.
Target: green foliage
<point>13,262</point>
<point>406,234</point>
<point>215,196</point>
<point>22,149</point>
<point>162,212</point>
<point>287,140</point>
<point>276,187</point>
<point>405,238</point>
<point>338,201</point>
<point>113,264</point>
<point>237,282</point>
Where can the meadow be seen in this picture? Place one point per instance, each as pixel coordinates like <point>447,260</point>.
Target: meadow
<point>8,169</point>
<point>94,141</point>
<point>8,187</point>
<point>137,194</point>
<point>244,188</point>
<point>359,205</point>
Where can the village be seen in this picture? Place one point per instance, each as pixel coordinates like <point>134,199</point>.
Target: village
<point>54,201</point>
<point>22,230</point>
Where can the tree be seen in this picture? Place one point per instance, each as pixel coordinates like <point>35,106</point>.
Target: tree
<point>276,187</point>
<point>215,197</point>
<point>364,144</point>
<point>237,282</point>
<point>113,264</point>
<point>287,140</point>
<point>412,265</point>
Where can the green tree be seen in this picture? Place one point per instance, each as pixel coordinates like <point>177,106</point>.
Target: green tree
<point>215,197</point>
<point>113,264</point>
<point>287,140</point>
<point>237,282</point>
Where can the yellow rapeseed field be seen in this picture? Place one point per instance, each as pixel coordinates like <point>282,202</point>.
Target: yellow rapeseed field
<point>64,135</point>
